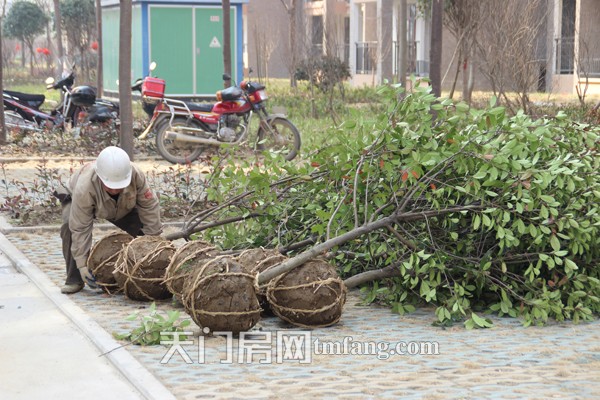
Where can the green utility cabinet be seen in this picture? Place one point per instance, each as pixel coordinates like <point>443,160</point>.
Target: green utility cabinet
<point>184,38</point>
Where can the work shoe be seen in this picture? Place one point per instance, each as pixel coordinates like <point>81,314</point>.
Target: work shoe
<point>71,288</point>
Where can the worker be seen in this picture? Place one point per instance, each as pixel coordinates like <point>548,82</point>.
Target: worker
<point>111,188</point>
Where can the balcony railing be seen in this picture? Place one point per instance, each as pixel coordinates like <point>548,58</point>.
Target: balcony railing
<point>366,59</point>
<point>565,55</point>
<point>414,66</point>
<point>366,53</point>
<point>588,60</point>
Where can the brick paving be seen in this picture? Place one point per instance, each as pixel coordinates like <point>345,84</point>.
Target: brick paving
<point>561,360</point>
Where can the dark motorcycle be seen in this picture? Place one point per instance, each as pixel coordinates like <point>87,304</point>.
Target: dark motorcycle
<point>79,110</point>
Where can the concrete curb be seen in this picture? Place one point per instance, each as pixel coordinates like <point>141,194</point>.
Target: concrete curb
<point>131,369</point>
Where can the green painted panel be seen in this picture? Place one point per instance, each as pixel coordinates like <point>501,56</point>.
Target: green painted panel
<point>110,48</point>
<point>209,49</point>
<point>110,44</point>
<point>136,44</point>
<point>171,47</point>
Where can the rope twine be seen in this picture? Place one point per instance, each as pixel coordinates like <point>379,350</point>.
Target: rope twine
<point>264,265</point>
<point>334,285</point>
<point>176,270</point>
<point>131,267</point>
<point>199,277</point>
<point>104,264</point>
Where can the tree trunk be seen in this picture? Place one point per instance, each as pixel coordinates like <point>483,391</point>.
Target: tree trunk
<point>100,66</point>
<point>226,41</point>
<point>126,133</point>
<point>369,276</point>
<point>313,252</point>
<point>402,40</point>
<point>59,44</point>
<point>31,58</point>
<point>435,57</point>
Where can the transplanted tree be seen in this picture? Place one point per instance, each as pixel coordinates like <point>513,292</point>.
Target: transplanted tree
<point>476,211</point>
<point>25,21</point>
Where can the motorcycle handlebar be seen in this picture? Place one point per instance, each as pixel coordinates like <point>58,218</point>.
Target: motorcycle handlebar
<point>137,85</point>
<point>66,82</point>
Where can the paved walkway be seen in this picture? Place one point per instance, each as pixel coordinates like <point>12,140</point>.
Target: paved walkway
<point>54,346</point>
<point>507,361</point>
<point>44,355</point>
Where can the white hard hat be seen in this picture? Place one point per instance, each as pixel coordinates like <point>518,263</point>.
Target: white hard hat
<point>113,167</point>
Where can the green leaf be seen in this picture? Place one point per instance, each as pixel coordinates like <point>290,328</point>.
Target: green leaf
<point>555,243</point>
<point>570,264</point>
<point>481,322</point>
<point>476,222</point>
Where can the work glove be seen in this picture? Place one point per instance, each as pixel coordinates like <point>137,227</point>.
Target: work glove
<point>88,277</point>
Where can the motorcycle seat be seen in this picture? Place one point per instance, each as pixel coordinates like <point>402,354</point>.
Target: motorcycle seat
<point>31,100</point>
<point>204,107</point>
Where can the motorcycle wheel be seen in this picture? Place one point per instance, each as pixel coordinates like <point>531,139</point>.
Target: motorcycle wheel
<point>284,138</point>
<point>177,152</point>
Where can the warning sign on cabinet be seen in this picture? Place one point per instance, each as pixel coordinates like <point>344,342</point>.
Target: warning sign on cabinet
<point>215,42</point>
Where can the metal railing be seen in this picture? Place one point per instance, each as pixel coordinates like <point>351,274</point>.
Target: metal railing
<point>366,59</point>
<point>588,64</point>
<point>366,53</point>
<point>565,55</point>
<point>414,65</point>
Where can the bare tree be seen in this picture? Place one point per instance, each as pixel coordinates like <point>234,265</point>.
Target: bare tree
<point>292,11</point>
<point>463,18</point>
<point>264,40</point>
<point>508,46</point>
<point>126,135</point>
<point>227,40</point>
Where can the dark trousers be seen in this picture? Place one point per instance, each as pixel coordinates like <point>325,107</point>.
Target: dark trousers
<point>130,223</point>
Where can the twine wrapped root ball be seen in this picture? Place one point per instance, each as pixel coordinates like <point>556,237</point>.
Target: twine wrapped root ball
<point>140,268</point>
<point>103,257</point>
<point>259,260</point>
<point>221,296</point>
<point>309,296</point>
<point>184,261</point>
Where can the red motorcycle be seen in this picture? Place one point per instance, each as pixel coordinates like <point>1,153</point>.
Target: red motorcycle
<point>184,130</point>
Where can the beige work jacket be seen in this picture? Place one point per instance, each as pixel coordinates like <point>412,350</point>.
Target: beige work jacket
<point>90,201</point>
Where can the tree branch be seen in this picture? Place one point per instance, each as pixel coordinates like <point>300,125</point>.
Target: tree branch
<point>320,248</point>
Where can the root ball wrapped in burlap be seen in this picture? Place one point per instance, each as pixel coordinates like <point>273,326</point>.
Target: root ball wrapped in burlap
<point>186,258</point>
<point>221,296</point>
<point>259,260</point>
<point>140,268</point>
<point>103,257</point>
<point>309,296</point>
